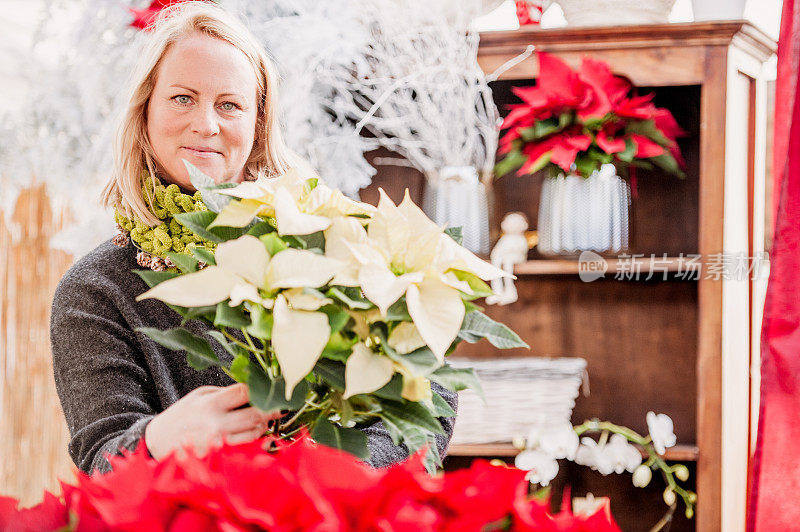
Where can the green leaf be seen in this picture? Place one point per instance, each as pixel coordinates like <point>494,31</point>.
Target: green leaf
<point>337,317</point>
<point>260,323</point>
<point>207,312</point>
<point>152,278</point>
<point>230,347</point>
<point>629,152</point>
<point>413,413</point>
<point>240,368</point>
<point>667,162</point>
<point>185,263</point>
<point>214,201</point>
<point>457,379</point>
<point>260,229</point>
<point>443,409</point>
<point>198,221</point>
<point>414,438</point>
<point>541,162</point>
<point>312,183</point>
<point>391,390</point>
<point>350,296</point>
<point>314,241</point>
<point>199,354</point>
<point>228,316</point>
<point>420,362</point>
<point>499,335</point>
<point>338,347</point>
<point>585,164</point>
<point>512,161</point>
<point>398,311</point>
<point>528,134</point>
<point>202,254</point>
<point>394,431</point>
<point>544,128</point>
<point>469,306</point>
<point>456,233</point>
<point>352,441</point>
<point>479,288</point>
<point>331,372</point>
<point>647,128</point>
<point>273,243</point>
<point>269,394</point>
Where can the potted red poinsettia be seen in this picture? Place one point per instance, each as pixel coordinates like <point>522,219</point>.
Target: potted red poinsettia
<point>583,127</point>
<point>301,486</point>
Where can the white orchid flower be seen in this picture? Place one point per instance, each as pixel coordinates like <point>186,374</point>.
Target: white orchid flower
<point>592,454</point>
<point>623,455</point>
<point>661,431</point>
<point>297,208</point>
<point>243,269</point>
<point>403,252</point>
<point>541,467</point>
<point>560,440</point>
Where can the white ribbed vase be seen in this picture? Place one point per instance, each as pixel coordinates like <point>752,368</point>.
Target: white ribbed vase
<point>457,198</point>
<point>577,214</point>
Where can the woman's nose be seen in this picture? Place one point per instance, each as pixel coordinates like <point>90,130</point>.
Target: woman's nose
<point>205,121</point>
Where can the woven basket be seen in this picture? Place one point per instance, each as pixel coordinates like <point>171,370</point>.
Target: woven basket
<point>520,393</point>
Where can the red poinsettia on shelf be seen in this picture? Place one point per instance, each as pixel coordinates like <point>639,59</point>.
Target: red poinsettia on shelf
<point>142,18</point>
<point>577,120</point>
<point>301,487</point>
<point>529,12</point>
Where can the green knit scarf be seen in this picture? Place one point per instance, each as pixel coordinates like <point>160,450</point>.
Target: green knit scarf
<point>170,235</point>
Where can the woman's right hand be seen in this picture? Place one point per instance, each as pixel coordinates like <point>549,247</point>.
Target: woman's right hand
<point>203,417</point>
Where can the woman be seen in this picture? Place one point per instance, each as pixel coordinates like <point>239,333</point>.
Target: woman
<point>203,91</point>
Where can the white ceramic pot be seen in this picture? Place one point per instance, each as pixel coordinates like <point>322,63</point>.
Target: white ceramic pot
<point>615,12</point>
<point>718,9</point>
<point>457,198</point>
<point>578,214</point>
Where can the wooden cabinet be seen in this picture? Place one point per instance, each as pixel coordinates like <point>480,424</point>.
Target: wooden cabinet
<point>684,347</point>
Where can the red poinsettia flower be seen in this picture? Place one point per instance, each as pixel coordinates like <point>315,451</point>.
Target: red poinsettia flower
<point>558,88</point>
<point>645,147</point>
<point>50,514</point>
<point>608,91</point>
<point>611,137</point>
<point>303,486</point>
<point>586,113</point>
<point>144,17</point>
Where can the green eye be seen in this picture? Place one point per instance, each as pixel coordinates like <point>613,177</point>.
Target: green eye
<point>182,99</point>
<point>229,106</point>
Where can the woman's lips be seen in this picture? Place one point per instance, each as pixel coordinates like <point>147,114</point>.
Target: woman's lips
<point>203,153</point>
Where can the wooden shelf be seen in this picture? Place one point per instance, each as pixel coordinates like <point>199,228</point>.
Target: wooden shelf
<point>678,453</point>
<point>639,266</point>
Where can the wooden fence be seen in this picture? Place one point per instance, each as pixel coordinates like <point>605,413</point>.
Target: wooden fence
<point>33,433</point>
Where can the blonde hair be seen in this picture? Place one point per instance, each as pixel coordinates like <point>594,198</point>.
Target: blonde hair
<point>133,154</point>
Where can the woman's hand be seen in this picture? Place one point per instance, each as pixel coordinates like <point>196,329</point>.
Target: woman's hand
<point>204,416</point>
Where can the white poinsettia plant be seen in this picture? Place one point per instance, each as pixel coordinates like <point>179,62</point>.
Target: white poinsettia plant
<point>337,311</point>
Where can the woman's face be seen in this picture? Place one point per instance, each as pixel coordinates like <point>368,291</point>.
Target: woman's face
<point>203,109</point>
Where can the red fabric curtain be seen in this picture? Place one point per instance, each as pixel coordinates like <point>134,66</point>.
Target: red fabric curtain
<point>775,475</point>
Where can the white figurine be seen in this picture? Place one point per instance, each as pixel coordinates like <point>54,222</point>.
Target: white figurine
<point>511,249</point>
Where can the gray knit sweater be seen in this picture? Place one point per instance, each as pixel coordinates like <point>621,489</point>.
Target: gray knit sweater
<point>112,380</point>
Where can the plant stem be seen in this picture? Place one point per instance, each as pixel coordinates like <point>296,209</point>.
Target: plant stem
<point>298,413</point>
<point>664,520</point>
